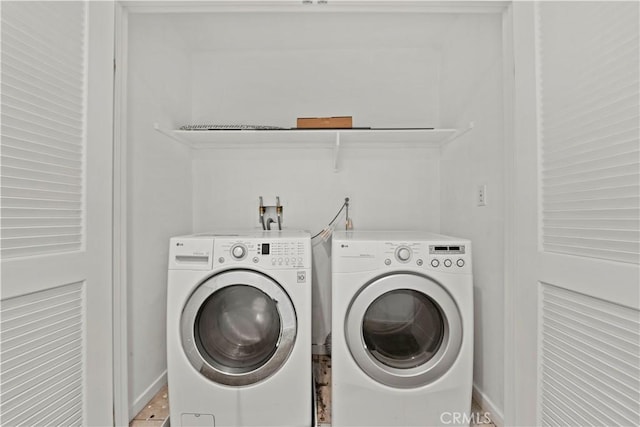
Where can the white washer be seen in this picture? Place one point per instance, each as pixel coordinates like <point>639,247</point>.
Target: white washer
<point>239,329</point>
<point>402,329</point>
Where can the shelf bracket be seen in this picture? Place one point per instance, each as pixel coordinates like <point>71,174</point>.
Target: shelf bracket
<point>169,134</point>
<point>459,133</point>
<point>336,152</point>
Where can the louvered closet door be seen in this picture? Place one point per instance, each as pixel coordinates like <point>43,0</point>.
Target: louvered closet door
<point>587,281</point>
<point>56,214</point>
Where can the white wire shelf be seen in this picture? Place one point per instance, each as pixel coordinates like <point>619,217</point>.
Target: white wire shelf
<point>307,138</point>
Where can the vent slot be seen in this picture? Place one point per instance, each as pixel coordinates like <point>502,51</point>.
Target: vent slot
<point>43,127</point>
<point>590,361</point>
<point>42,357</point>
<point>589,129</point>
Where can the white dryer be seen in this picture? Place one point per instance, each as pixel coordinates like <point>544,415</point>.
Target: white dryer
<point>239,329</point>
<point>402,329</point>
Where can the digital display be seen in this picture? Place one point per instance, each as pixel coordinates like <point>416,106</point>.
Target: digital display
<point>446,249</point>
<point>265,249</point>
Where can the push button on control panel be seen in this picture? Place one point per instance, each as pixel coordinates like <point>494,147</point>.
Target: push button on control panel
<point>447,262</point>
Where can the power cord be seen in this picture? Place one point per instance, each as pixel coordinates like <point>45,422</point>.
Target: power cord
<point>326,232</point>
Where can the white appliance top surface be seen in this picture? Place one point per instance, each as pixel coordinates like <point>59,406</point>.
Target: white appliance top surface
<point>254,234</point>
<point>384,236</point>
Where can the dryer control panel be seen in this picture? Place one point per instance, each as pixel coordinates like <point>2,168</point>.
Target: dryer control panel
<point>359,251</point>
<point>449,257</point>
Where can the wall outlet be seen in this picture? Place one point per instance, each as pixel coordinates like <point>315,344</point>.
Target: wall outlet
<point>481,195</point>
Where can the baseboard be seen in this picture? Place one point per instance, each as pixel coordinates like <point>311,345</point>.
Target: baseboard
<point>487,405</point>
<point>147,395</point>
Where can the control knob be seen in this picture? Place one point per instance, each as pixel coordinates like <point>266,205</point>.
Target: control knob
<point>403,254</point>
<point>238,251</point>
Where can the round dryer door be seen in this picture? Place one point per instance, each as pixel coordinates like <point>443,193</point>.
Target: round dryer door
<point>404,330</point>
<point>238,327</point>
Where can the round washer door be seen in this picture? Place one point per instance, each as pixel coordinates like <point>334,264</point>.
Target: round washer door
<point>404,330</point>
<point>238,327</point>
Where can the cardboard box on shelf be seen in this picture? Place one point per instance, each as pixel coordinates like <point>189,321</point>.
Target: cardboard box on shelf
<point>343,122</point>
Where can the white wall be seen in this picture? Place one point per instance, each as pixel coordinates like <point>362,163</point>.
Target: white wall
<point>382,87</point>
<point>472,91</point>
<point>382,69</point>
<point>389,189</point>
<point>159,199</point>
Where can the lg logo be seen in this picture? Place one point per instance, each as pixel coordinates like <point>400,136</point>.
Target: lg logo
<point>344,246</point>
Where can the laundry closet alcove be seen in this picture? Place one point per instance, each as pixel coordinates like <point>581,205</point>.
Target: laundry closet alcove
<point>426,78</point>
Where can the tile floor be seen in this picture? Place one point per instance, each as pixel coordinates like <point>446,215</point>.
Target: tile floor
<point>156,413</point>
<point>322,377</point>
<point>479,415</point>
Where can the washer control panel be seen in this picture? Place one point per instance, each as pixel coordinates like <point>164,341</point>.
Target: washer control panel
<point>267,253</point>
